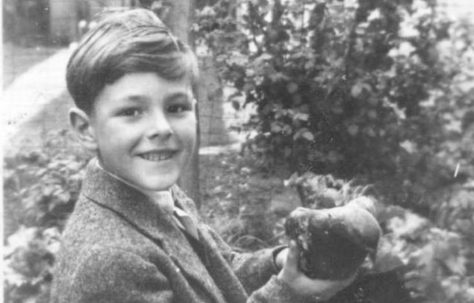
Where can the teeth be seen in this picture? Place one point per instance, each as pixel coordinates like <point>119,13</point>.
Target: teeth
<point>157,156</point>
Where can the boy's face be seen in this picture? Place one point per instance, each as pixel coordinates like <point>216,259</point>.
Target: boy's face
<point>144,129</point>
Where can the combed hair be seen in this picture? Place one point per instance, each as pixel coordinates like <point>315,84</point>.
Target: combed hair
<point>121,43</point>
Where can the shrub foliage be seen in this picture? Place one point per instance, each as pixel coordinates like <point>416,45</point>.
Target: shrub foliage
<point>41,186</point>
<point>352,88</point>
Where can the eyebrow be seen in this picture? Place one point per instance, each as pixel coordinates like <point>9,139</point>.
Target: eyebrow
<point>143,99</point>
<point>135,98</point>
<point>172,96</point>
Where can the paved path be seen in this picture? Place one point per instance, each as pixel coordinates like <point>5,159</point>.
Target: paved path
<point>31,91</point>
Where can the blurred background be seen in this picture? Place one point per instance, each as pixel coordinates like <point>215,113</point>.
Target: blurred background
<point>301,103</point>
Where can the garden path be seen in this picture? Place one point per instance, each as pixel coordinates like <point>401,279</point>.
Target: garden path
<point>28,95</point>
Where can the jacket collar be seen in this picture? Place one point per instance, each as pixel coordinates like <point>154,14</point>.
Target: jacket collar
<point>146,216</point>
<point>127,201</point>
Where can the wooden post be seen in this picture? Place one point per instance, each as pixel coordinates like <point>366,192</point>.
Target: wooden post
<point>178,16</point>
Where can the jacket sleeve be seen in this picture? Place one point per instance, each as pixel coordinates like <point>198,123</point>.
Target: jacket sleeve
<point>115,275</point>
<point>257,272</point>
<point>253,269</point>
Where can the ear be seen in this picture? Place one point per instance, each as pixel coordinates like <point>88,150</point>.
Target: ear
<point>81,124</point>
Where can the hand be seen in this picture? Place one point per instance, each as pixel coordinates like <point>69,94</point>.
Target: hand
<point>280,258</point>
<point>300,283</point>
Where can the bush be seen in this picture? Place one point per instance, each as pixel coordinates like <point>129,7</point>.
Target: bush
<point>359,90</point>
<point>40,190</point>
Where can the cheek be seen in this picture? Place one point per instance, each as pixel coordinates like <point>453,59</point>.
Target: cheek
<point>191,136</point>
<point>117,138</point>
<point>188,133</point>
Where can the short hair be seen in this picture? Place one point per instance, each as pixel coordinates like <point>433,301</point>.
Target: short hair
<point>126,42</point>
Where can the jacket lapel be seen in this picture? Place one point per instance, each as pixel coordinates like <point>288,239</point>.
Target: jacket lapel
<point>147,217</point>
<point>221,271</point>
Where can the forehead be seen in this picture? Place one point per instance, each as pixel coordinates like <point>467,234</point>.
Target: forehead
<point>145,84</point>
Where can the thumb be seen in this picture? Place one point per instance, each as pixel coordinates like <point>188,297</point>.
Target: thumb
<point>293,255</point>
<point>290,269</point>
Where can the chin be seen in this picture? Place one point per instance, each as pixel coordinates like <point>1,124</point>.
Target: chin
<point>160,185</point>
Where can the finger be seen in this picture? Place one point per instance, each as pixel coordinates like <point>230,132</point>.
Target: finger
<point>292,257</point>
<point>290,269</point>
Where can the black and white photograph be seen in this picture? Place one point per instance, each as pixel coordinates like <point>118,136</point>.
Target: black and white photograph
<point>237,151</point>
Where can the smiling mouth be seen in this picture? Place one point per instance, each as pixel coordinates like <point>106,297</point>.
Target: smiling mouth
<point>158,156</point>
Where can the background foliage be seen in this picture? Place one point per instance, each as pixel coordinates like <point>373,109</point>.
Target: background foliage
<point>358,90</point>
<point>373,91</point>
<point>41,187</point>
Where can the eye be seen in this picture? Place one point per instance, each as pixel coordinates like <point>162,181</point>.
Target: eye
<point>130,112</point>
<point>179,108</point>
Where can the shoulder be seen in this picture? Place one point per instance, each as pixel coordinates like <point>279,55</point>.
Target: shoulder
<point>111,262</point>
<point>96,235</point>
<point>110,273</point>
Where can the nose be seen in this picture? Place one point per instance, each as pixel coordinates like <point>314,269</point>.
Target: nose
<point>159,126</point>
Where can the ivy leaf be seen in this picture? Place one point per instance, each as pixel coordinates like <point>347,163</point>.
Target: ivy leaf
<point>409,146</point>
<point>448,251</point>
<point>407,226</point>
<point>304,133</point>
<point>308,135</point>
<point>301,117</point>
<point>276,127</point>
<point>292,87</point>
<point>353,130</point>
<point>356,90</point>
<point>386,259</point>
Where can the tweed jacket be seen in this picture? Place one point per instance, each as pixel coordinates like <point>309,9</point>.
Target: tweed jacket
<point>119,246</point>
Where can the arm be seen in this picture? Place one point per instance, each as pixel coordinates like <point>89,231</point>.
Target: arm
<point>291,285</point>
<point>253,269</point>
<point>272,275</point>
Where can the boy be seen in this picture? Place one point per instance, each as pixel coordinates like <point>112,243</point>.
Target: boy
<point>134,236</point>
